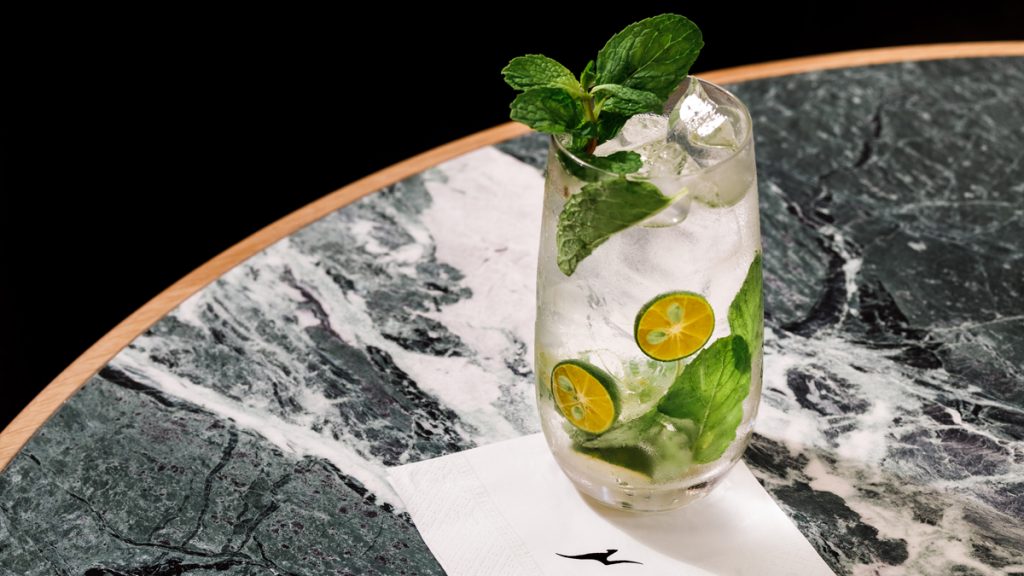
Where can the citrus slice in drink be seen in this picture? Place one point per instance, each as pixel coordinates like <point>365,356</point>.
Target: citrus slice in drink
<point>674,325</point>
<point>586,395</point>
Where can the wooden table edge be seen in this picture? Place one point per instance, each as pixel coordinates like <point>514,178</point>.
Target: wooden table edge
<point>39,410</point>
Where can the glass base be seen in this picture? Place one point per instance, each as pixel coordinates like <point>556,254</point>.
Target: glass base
<point>648,500</point>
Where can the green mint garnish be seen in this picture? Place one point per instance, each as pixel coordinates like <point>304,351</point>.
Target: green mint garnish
<point>710,393</point>
<point>627,101</point>
<point>623,162</point>
<point>587,76</point>
<point>546,109</point>
<point>652,55</point>
<point>537,71</point>
<point>633,74</point>
<point>651,444</point>
<point>599,210</point>
<point>746,313</point>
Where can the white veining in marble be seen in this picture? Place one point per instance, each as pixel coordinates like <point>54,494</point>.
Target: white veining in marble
<point>476,221</point>
<point>399,328</point>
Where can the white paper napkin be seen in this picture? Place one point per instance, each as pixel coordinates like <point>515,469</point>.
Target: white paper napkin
<point>507,510</point>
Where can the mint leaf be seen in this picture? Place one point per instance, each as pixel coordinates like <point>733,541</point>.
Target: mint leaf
<point>746,313</point>
<point>628,433</point>
<point>587,76</point>
<point>653,444</point>
<point>610,125</point>
<point>599,210</point>
<point>628,101</point>
<point>710,393</point>
<point>653,54</point>
<point>598,168</point>
<point>538,71</point>
<point>550,110</point>
<point>622,162</point>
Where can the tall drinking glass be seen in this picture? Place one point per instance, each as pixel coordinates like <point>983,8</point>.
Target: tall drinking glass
<point>648,352</point>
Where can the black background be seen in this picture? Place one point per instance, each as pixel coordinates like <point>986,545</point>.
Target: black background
<point>137,146</point>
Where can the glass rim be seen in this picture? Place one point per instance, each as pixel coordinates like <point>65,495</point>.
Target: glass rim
<point>748,136</point>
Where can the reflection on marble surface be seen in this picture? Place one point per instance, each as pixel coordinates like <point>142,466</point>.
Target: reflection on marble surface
<point>247,432</point>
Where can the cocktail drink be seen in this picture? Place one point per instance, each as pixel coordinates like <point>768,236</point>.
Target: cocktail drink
<point>649,298</point>
<point>648,353</point>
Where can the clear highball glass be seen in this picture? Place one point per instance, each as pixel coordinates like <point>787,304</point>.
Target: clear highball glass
<point>648,355</point>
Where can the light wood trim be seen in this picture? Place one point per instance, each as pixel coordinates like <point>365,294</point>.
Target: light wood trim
<point>67,382</point>
<point>867,57</point>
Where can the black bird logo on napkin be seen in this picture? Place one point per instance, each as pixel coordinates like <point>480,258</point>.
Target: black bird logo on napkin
<point>602,557</point>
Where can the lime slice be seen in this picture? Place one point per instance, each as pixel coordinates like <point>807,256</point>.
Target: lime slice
<point>674,325</point>
<point>586,395</point>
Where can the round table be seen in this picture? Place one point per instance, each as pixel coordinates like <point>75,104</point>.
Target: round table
<point>245,425</point>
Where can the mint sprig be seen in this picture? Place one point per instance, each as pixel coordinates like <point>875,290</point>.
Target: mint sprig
<point>634,73</point>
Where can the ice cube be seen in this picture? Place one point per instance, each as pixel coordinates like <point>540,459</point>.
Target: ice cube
<point>721,188</point>
<point>709,132</point>
<point>665,163</point>
<point>637,131</point>
<point>662,159</point>
<point>644,128</point>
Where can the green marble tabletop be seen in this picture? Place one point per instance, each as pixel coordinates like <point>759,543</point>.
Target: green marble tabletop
<point>248,431</point>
